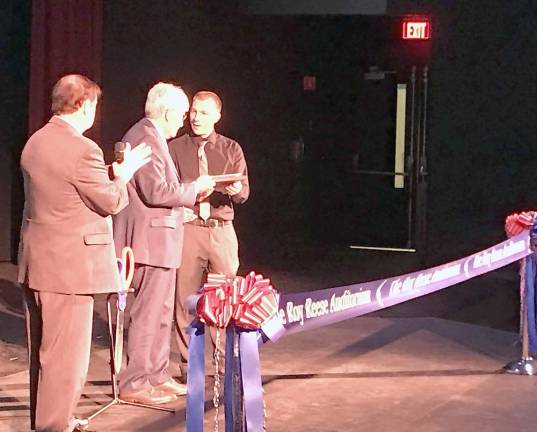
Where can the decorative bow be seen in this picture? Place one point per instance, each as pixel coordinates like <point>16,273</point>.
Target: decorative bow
<point>517,222</point>
<point>248,301</point>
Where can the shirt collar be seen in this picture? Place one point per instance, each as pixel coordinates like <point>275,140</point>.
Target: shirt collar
<point>211,139</point>
<point>63,121</point>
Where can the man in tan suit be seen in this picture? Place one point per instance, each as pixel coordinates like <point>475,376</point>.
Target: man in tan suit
<point>152,225</point>
<point>66,252</point>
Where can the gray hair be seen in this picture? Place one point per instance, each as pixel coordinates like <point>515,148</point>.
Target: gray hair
<point>163,96</point>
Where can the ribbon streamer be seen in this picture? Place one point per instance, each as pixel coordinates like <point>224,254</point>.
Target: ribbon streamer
<point>243,306</point>
<point>313,309</point>
<point>251,381</point>
<point>530,299</point>
<point>195,396</point>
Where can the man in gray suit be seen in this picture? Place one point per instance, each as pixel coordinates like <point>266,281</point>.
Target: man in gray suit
<point>152,225</point>
<point>66,252</point>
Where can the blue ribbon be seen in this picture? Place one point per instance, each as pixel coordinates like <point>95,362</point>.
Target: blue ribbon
<point>251,381</point>
<point>243,379</point>
<point>228,379</point>
<point>309,310</point>
<point>195,397</point>
<point>530,300</point>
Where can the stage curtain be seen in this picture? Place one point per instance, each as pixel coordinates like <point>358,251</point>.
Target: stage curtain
<point>66,37</point>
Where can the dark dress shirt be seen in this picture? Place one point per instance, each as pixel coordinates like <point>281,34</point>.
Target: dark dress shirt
<point>224,156</point>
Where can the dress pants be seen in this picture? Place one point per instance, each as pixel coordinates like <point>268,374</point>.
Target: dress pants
<point>59,344</point>
<point>205,250</point>
<point>151,315</point>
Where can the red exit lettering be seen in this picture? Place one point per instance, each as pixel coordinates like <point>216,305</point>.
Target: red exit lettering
<point>417,30</point>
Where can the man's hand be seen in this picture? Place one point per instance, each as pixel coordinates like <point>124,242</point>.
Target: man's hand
<point>205,186</point>
<point>188,214</point>
<point>133,160</point>
<point>234,188</point>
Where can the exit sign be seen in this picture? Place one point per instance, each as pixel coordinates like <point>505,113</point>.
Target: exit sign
<point>417,29</point>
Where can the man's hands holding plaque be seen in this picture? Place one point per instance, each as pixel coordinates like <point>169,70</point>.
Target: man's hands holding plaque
<point>231,182</point>
<point>234,188</point>
<point>207,183</point>
<point>205,186</point>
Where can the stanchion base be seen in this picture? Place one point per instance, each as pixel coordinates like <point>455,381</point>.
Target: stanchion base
<point>524,366</point>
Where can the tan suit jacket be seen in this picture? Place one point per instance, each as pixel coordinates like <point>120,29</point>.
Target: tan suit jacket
<point>66,237</point>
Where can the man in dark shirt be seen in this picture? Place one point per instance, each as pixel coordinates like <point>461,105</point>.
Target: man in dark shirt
<point>210,243</point>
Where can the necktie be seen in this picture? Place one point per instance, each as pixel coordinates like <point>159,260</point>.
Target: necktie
<point>205,207</point>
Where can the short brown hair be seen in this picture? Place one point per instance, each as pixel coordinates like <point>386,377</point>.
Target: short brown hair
<point>204,95</point>
<point>70,92</point>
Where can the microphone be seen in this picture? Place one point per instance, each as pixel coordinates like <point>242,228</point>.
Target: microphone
<point>119,151</point>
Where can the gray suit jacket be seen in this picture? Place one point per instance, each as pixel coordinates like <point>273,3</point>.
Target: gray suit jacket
<point>66,237</point>
<point>152,223</point>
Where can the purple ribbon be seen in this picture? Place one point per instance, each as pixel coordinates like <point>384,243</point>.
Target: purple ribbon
<point>530,299</point>
<point>251,381</point>
<point>232,383</point>
<point>195,396</point>
<point>305,311</point>
<point>309,310</point>
<point>243,380</point>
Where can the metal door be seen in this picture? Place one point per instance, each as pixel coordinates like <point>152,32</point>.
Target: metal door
<point>365,142</point>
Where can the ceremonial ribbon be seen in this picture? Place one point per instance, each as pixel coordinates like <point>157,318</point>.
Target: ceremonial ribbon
<point>251,381</point>
<point>242,306</point>
<point>530,299</point>
<point>195,396</point>
<point>309,310</point>
<point>230,373</point>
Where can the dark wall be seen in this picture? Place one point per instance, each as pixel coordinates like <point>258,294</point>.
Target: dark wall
<point>482,120</point>
<point>250,62</point>
<point>14,52</point>
<point>198,47</point>
<point>482,124</point>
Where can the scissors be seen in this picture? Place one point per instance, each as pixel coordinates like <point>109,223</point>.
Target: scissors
<point>126,273</point>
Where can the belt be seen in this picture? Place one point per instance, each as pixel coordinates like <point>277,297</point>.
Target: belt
<point>210,223</point>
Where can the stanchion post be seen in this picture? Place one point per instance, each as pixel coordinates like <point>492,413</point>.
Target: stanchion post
<point>526,365</point>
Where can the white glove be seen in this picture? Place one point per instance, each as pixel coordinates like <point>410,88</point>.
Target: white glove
<point>133,160</point>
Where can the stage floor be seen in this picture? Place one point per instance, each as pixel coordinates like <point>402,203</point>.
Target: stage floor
<point>367,374</point>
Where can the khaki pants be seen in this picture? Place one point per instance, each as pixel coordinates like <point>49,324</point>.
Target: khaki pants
<point>205,250</point>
